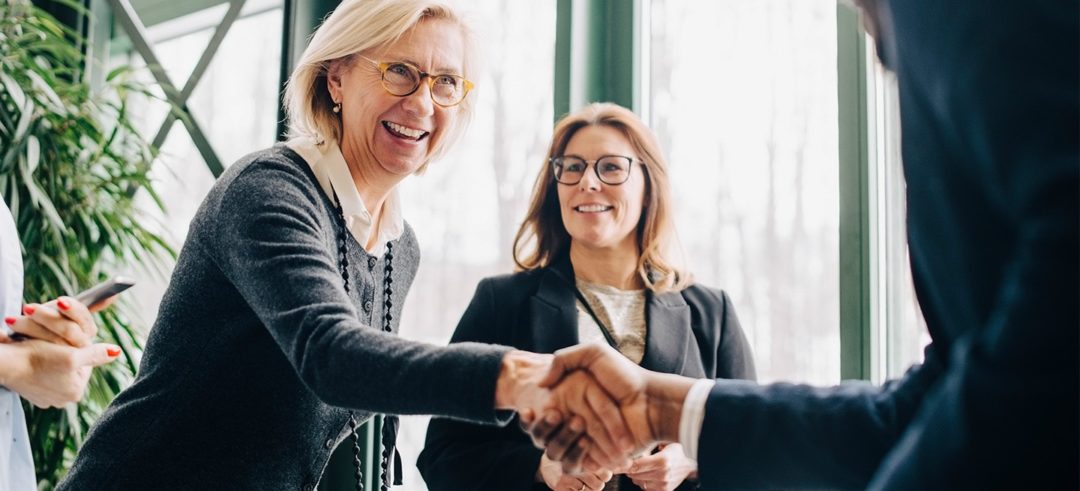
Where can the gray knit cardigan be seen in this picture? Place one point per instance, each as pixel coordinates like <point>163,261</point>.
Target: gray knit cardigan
<point>258,354</point>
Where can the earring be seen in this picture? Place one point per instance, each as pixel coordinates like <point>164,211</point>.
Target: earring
<point>336,108</point>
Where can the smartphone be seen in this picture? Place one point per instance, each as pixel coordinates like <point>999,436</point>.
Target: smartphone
<point>104,290</point>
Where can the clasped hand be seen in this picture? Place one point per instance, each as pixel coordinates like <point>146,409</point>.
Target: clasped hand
<point>594,410</point>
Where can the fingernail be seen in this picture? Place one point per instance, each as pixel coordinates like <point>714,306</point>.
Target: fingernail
<point>28,309</point>
<point>63,304</point>
<point>9,321</point>
<point>112,351</point>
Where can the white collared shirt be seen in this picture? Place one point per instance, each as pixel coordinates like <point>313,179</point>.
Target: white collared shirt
<point>693,416</point>
<point>332,171</point>
<point>16,463</point>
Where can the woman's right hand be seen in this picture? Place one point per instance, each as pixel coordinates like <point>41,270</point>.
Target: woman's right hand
<point>551,472</point>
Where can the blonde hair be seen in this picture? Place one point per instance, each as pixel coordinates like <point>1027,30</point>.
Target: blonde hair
<point>354,27</point>
<point>542,236</point>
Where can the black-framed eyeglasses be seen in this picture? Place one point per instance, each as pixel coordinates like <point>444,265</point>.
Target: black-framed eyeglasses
<point>401,78</point>
<point>610,169</point>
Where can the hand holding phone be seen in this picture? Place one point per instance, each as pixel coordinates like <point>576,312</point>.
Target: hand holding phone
<point>47,328</point>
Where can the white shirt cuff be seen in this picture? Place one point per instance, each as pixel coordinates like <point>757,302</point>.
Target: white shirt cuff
<point>693,415</point>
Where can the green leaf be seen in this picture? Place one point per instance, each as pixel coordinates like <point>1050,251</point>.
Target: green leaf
<point>24,120</point>
<point>33,153</point>
<point>42,201</point>
<point>55,104</point>
<point>18,97</point>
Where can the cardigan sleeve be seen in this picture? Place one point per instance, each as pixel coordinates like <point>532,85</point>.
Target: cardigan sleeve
<point>267,238</point>
<point>460,455</point>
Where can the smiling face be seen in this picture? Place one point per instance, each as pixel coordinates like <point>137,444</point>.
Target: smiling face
<point>395,135</point>
<point>598,215</point>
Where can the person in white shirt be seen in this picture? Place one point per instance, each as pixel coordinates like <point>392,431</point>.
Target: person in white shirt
<point>49,368</point>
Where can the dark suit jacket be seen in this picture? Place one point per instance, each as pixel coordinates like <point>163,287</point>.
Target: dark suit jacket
<point>693,332</point>
<point>989,109</point>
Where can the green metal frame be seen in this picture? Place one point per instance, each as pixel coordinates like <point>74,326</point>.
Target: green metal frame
<point>856,272</point>
<point>300,18</point>
<point>595,59</point>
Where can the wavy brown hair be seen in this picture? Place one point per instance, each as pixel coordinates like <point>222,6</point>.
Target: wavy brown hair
<point>542,236</point>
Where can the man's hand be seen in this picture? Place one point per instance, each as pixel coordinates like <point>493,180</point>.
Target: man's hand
<point>609,441</point>
<point>49,374</point>
<point>650,403</point>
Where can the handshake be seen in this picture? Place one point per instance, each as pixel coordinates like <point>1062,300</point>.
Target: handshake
<point>589,406</point>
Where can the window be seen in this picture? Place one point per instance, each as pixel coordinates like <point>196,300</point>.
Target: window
<point>901,329</point>
<point>234,104</point>
<point>743,98</point>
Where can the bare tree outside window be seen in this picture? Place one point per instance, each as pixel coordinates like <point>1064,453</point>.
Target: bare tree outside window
<point>743,97</point>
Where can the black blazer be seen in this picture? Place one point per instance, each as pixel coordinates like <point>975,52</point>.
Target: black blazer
<point>989,106</point>
<point>693,332</point>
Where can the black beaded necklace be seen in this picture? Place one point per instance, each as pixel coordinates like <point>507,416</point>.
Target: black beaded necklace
<point>389,427</point>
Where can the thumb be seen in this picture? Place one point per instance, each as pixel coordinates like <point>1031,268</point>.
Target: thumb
<point>102,305</point>
<point>567,360</point>
<point>646,463</point>
<point>96,354</point>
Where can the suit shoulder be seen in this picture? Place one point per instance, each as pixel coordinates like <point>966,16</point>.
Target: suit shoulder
<point>512,285</point>
<point>705,296</point>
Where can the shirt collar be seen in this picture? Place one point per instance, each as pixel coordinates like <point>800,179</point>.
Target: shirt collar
<point>332,172</point>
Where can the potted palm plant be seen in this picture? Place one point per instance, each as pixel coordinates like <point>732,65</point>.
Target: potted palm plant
<point>70,160</point>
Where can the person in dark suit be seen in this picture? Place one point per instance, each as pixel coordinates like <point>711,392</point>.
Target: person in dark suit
<point>595,251</point>
<point>990,115</point>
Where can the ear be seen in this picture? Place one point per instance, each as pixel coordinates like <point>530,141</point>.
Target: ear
<point>333,80</point>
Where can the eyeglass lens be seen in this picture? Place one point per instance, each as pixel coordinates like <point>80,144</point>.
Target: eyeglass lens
<point>610,169</point>
<point>401,79</point>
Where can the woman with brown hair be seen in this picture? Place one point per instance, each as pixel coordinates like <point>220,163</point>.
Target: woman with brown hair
<point>596,253</point>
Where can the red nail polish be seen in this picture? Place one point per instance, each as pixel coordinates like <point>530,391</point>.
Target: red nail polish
<point>63,304</point>
<point>112,351</point>
<point>9,321</point>
<point>28,309</point>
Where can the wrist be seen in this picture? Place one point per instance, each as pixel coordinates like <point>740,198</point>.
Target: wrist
<point>14,365</point>
<point>518,375</point>
<point>666,393</point>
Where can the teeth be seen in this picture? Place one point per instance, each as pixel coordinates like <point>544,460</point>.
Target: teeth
<point>405,130</point>
<point>592,208</point>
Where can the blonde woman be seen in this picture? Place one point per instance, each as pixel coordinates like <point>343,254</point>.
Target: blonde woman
<point>597,266</point>
<point>275,337</point>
